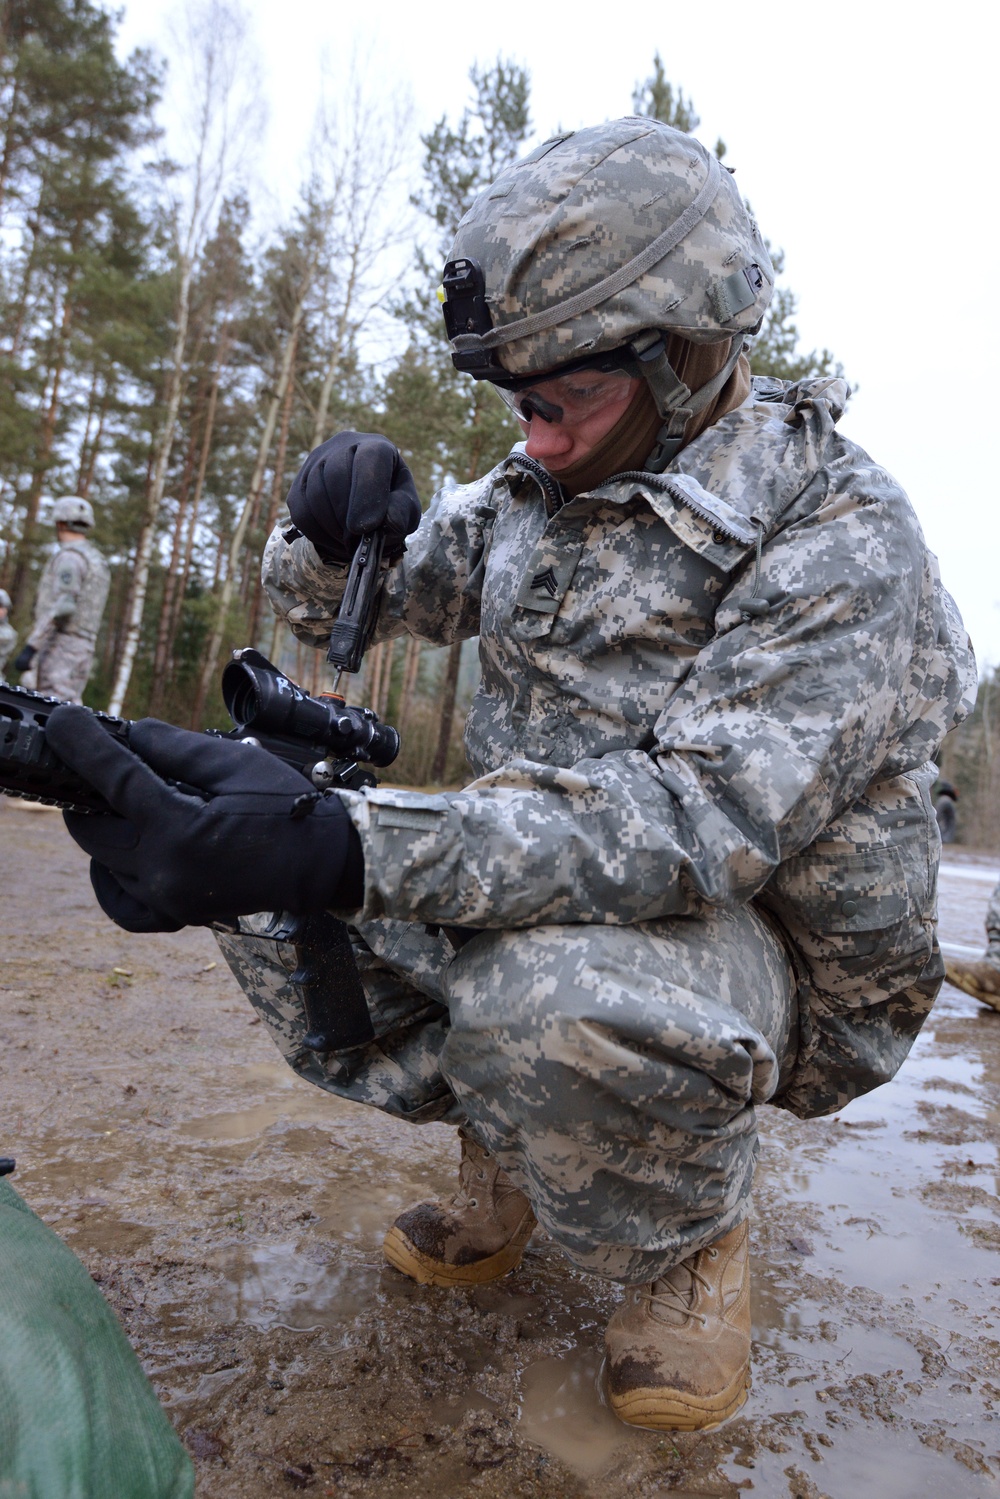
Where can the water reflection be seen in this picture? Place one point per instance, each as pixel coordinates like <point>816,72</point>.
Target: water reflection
<point>290,1285</point>
<point>563,1410</point>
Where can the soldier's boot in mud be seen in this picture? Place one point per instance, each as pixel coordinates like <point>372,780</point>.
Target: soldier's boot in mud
<point>981,979</point>
<point>678,1351</point>
<point>478,1234</point>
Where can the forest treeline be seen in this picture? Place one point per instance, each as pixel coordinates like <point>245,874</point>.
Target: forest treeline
<point>166,358</point>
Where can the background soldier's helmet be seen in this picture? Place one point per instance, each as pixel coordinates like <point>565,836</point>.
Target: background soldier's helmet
<point>74,512</point>
<point>4,599</point>
<point>604,241</point>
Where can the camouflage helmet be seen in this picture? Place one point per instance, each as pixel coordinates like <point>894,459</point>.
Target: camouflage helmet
<point>4,599</point>
<point>602,242</point>
<point>74,512</point>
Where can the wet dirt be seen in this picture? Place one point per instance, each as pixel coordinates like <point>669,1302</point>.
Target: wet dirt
<point>232,1215</point>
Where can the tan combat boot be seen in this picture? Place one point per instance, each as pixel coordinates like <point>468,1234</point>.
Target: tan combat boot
<point>476,1236</point>
<point>679,1349</point>
<point>981,980</point>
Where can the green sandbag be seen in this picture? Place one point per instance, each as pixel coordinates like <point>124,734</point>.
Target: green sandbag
<point>78,1417</point>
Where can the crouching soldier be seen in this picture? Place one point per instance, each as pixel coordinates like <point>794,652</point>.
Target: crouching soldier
<point>695,871</point>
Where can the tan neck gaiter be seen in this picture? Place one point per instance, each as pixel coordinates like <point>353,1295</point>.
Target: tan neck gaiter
<point>632,438</point>
<point>695,364</point>
<point>626,446</point>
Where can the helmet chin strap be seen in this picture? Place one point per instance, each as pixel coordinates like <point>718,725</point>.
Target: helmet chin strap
<point>674,401</point>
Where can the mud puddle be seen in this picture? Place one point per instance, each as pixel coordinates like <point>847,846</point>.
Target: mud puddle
<point>293,1285</point>
<point>563,1410</point>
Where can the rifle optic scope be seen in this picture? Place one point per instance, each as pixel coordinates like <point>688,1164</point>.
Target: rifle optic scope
<point>261,701</point>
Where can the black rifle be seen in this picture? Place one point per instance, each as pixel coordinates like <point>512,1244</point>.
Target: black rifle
<point>322,736</point>
<point>328,741</point>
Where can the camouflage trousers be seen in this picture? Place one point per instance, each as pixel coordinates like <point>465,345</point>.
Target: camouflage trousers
<point>62,668</point>
<point>614,1070</point>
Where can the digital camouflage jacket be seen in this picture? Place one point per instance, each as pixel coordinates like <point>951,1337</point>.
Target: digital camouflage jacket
<point>8,640</point>
<point>719,684</point>
<point>72,592</point>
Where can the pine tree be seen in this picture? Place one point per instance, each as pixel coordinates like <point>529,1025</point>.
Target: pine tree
<point>448,427</point>
<point>656,99</point>
<point>75,235</point>
<point>775,349</point>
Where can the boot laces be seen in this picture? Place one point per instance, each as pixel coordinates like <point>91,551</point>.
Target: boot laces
<point>680,1300</point>
<point>472,1170</point>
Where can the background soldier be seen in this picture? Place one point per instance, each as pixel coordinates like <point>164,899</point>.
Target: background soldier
<point>72,592</point>
<point>695,872</point>
<point>945,806</point>
<point>8,635</point>
<point>981,979</point>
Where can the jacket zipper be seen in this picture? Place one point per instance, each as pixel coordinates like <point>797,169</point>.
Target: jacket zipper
<point>553,491</point>
<point>549,486</point>
<point>658,481</point>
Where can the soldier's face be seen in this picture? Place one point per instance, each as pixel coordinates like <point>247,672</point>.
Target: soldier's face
<point>557,445</point>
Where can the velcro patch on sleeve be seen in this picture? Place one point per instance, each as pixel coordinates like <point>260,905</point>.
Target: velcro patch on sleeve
<point>416,819</point>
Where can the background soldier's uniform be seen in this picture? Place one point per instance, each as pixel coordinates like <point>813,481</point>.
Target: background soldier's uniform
<point>993,927</point>
<point>981,978</point>
<point>8,640</point>
<point>698,864</point>
<point>72,592</point>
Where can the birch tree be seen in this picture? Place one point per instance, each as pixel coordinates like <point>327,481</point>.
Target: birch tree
<point>340,275</point>
<point>214,45</point>
<point>360,153</point>
<point>463,428</point>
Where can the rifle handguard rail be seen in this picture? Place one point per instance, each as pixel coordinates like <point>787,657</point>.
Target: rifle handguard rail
<point>322,737</point>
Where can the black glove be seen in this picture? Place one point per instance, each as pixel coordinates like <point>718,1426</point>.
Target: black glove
<point>256,837</point>
<point>351,484</point>
<point>24,657</point>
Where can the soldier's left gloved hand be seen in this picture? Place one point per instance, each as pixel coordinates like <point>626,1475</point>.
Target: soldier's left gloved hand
<point>24,658</point>
<point>248,833</point>
<point>353,483</point>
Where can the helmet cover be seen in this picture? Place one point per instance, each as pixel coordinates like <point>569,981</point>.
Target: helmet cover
<point>602,234</point>
<point>74,512</point>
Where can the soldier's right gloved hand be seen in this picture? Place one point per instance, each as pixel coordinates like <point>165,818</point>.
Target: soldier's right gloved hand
<point>351,484</point>
<point>24,658</point>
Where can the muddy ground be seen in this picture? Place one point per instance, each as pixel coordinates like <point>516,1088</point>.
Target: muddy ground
<point>232,1216</point>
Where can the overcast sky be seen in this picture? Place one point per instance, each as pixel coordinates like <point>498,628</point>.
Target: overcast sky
<point>860,133</point>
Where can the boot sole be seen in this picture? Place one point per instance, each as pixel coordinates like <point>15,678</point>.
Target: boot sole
<point>406,1257</point>
<point>668,1410</point>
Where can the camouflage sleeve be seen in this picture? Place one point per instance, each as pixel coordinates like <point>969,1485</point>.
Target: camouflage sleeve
<point>781,722</point>
<point>433,592</point>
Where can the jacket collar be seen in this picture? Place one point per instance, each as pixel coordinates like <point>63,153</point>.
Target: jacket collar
<point>743,472</point>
